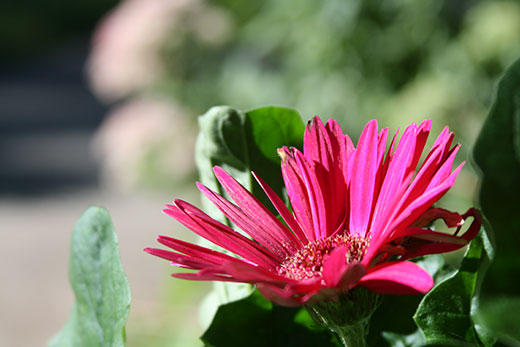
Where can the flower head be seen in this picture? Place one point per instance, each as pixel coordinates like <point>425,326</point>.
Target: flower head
<point>358,215</point>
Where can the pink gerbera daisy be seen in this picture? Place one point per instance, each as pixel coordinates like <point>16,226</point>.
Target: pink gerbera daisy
<point>357,217</point>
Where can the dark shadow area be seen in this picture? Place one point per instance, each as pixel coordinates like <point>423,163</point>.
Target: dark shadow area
<point>47,117</point>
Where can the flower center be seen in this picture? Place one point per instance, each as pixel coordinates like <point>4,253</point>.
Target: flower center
<point>308,261</point>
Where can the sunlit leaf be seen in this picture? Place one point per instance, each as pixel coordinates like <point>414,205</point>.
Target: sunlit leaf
<point>445,313</point>
<point>241,142</point>
<point>99,283</point>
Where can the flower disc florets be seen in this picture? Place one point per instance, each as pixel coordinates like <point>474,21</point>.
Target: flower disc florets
<point>307,262</point>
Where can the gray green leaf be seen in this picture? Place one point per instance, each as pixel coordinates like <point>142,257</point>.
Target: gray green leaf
<point>99,283</point>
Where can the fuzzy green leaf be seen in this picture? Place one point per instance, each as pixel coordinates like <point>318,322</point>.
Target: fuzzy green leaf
<point>99,283</point>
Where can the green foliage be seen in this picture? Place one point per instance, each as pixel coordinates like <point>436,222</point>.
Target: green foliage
<point>497,153</point>
<point>398,60</point>
<point>99,283</point>
<point>444,314</point>
<point>241,142</point>
<point>36,26</point>
<point>254,321</point>
<point>390,329</point>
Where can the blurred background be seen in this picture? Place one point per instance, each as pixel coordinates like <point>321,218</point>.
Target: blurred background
<point>98,105</point>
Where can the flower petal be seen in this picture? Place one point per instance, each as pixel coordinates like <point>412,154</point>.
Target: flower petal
<point>362,184</point>
<point>395,181</point>
<point>220,234</point>
<point>196,251</point>
<point>451,219</point>
<point>297,191</point>
<point>255,210</point>
<point>421,242</point>
<point>247,223</point>
<point>316,143</point>
<point>282,210</point>
<point>326,151</point>
<point>337,273</point>
<point>284,297</point>
<point>400,278</point>
<point>180,260</point>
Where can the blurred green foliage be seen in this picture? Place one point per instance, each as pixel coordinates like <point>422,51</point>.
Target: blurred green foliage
<point>399,60</point>
<point>497,153</point>
<point>31,25</point>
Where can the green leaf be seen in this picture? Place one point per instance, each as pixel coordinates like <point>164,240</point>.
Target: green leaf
<point>390,329</point>
<point>255,321</point>
<point>99,283</point>
<point>415,339</point>
<point>241,142</point>
<point>445,313</point>
<point>497,153</point>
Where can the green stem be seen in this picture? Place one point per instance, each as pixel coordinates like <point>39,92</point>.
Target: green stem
<point>348,315</point>
<point>352,335</point>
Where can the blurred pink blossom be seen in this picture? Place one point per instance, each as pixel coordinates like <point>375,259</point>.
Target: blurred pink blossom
<point>126,47</point>
<point>144,140</point>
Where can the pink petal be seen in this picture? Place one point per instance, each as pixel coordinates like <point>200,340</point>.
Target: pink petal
<point>395,181</point>
<point>422,135</point>
<point>334,266</point>
<point>328,160</point>
<point>337,273</point>
<point>315,196</point>
<point>241,272</point>
<point>282,210</point>
<point>406,218</point>
<point>252,274</point>
<point>180,260</point>
<point>428,170</point>
<point>362,185</point>
<point>451,219</point>
<point>204,277</point>
<point>297,192</point>
<point>255,210</point>
<point>220,234</point>
<point>430,242</point>
<point>195,250</point>
<point>400,278</point>
<point>316,143</point>
<point>284,297</point>
<point>430,235</point>
<point>381,170</point>
<point>416,208</point>
<point>250,226</point>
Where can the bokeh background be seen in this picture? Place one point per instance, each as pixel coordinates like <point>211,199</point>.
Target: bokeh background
<point>98,105</point>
